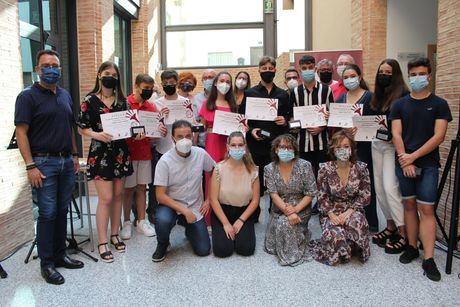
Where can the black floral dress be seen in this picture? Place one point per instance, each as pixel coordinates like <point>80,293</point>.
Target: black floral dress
<point>106,161</point>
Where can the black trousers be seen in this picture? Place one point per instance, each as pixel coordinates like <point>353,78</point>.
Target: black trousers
<point>365,155</point>
<point>245,241</point>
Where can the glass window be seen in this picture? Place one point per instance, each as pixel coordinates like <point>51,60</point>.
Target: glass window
<point>49,15</point>
<point>187,12</point>
<point>29,12</point>
<point>29,49</point>
<point>214,47</point>
<point>290,27</point>
<point>122,54</point>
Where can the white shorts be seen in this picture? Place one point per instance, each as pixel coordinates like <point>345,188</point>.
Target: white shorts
<point>142,174</point>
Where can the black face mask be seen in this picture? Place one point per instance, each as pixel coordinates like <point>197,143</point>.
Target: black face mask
<point>383,80</point>
<point>146,94</point>
<point>186,87</point>
<point>325,76</point>
<point>169,89</point>
<point>267,76</point>
<point>109,82</point>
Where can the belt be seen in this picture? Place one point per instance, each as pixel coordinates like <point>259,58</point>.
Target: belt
<point>64,154</point>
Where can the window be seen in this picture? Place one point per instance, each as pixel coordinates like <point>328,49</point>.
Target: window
<point>122,55</point>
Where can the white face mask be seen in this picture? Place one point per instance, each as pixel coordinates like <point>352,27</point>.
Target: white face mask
<point>292,84</point>
<point>340,70</point>
<point>184,146</point>
<point>223,87</point>
<point>240,83</point>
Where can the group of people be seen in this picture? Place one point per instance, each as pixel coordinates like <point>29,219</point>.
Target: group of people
<point>202,179</point>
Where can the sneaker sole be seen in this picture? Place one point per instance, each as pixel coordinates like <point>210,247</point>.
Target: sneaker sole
<point>158,260</point>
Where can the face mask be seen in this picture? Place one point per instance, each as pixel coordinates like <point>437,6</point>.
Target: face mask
<point>267,76</point>
<point>223,87</point>
<point>109,82</point>
<point>286,155</point>
<point>236,154</point>
<point>186,87</point>
<point>50,75</point>
<point>207,84</point>
<point>351,83</point>
<point>184,146</point>
<point>418,83</point>
<point>146,94</point>
<point>308,75</point>
<point>325,76</point>
<point>240,83</point>
<point>383,80</point>
<point>342,154</point>
<point>169,89</point>
<point>292,84</point>
<point>340,70</point>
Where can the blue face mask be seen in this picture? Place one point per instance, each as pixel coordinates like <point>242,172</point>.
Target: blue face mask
<point>50,75</point>
<point>351,83</point>
<point>308,75</point>
<point>418,83</point>
<point>286,155</point>
<point>236,154</point>
<point>207,84</point>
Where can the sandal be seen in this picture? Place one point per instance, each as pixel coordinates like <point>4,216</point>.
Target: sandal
<point>106,256</point>
<point>396,246</point>
<point>120,246</point>
<point>381,238</point>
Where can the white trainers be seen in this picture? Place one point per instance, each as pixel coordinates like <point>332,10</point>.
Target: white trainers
<point>145,228</point>
<point>126,231</point>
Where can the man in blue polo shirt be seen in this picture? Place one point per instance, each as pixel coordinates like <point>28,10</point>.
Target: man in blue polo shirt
<point>44,130</point>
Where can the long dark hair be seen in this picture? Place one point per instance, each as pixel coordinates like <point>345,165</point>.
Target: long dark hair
<point>248,85</point>
<point>384,97</point>
<point>119,96</point>
<point>362,83</point>
<point>211,102</point>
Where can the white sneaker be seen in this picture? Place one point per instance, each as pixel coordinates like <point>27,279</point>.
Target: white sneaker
<point>145,228</point>
<point>126,231</point>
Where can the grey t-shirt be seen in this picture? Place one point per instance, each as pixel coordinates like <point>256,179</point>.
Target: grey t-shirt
<point>183,177</point>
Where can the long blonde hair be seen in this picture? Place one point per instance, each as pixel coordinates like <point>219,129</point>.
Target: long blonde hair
<point>247,158</point>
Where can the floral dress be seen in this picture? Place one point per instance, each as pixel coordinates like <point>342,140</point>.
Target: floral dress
<point>106,161</point>
<point>339,243</point>
<point>289,242</point>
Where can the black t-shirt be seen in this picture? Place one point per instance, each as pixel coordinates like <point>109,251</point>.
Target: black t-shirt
<point>49,117</point>
<point>418,117</point>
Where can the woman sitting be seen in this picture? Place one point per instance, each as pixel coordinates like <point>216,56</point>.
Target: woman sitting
<point>291,184</point>
<point>344,190</point>
<point>234,195</point>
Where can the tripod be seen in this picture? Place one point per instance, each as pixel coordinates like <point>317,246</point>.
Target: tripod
<point>3,273</point>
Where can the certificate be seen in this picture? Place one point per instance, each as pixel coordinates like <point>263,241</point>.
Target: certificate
<point>261,108</point>
<point>118,124</point>
<point>228,122</point>
<point>179,110</point>
<point>341,114</point>
<point>152,122</point>
<point>311,116</point>
<point>367,127</point>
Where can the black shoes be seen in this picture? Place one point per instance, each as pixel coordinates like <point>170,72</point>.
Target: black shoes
<point>69,263</point>
<point>52,276</point>
<point>160,253</point>
<point>430,270</point>
<point>409,254</point>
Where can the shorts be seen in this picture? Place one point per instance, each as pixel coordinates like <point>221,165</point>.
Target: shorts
<point>142,174</point>
<point>424,187</point>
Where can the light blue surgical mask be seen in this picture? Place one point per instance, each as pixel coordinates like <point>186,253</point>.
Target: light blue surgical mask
<point>286,155</point>
<point>207,84</point>
<point>308,75</point>
<point>351,83</point>
<point>236,154</point>
<point>418,83</point>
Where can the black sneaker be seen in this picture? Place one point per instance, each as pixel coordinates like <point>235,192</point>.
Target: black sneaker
<point>430,270</point>
<point>160,253</point>
<point>409,254</point>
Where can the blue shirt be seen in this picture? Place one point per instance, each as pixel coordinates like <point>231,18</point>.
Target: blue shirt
<point>418,117</point>
<point>49,117</point>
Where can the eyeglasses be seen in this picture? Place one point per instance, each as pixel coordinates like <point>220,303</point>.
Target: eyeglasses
<point>292,78</point>
<point>285,147</point>
<point>50,66</point>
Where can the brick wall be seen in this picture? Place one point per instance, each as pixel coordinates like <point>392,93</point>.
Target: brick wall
<point>448,84</point>
<point>16,224</point>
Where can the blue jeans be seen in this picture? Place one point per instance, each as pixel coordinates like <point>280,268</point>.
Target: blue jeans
<point>196,233</point>
<point>53,200</point>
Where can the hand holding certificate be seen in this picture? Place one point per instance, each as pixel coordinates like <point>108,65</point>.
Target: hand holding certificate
<point>228,122</point>
<point>367,127</point>
<point>261,108</point>
<point>341,114</point>
<point>119,124</point>
<point>179,110</point>
<point>311,116</point>
<point>152,122</point>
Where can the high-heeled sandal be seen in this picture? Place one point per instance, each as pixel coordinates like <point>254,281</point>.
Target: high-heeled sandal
<point>396,246</point>
<point>382,237</point>
<point>106,256</point>
<point>120,246</point>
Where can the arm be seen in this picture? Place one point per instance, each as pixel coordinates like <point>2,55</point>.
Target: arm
<point>310,189</point>
<point>364,191</point>
<point>214,189</point>
<point>251,207</point>
<point>76,164</point>
<point>100,136</point>
<point>271,188</point>
<point>34,175</point>
<point>396,130</point>
<point>164,199</point>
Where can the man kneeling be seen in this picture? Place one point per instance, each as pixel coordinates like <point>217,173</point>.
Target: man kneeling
<point>178,184</point>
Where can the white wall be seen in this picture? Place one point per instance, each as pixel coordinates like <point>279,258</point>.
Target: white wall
<point>411,26</point>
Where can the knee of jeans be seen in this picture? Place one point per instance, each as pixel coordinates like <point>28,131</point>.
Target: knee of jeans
<point>47,213</point>
<point>163,220</point>
<point>202,250</point>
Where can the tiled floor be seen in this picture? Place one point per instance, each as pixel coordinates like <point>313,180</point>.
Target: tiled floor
<point>184,279</point>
